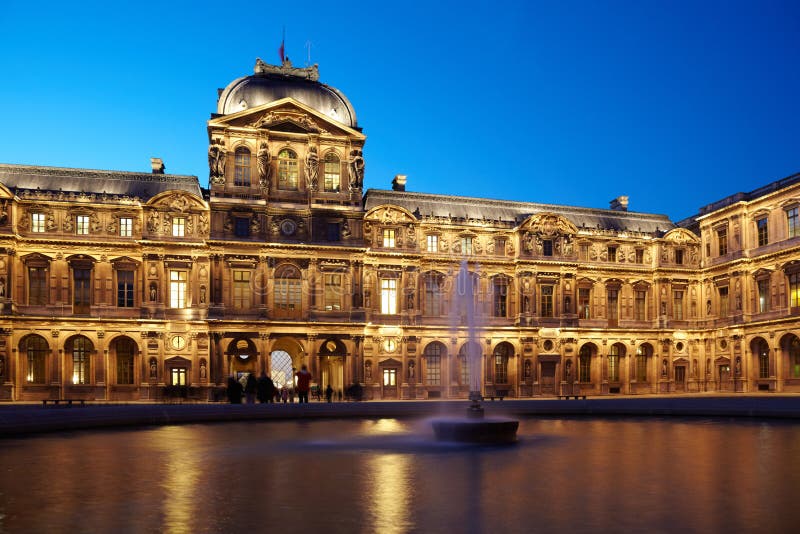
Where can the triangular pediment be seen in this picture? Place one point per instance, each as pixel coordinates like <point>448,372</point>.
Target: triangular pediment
<point>286,115</point>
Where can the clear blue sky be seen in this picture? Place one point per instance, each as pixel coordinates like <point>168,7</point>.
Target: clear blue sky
<point>674,103</point>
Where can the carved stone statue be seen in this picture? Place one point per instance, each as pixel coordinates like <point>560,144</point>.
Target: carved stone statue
<point>202,224</point>
<point>264,168</point>
<point>312,168</point>
<point>357,166</point>
<point>216,163</point>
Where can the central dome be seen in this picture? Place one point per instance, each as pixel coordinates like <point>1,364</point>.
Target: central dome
<point>270,83</point>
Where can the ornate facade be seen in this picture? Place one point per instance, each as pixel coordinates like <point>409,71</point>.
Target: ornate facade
<point>129,286</point>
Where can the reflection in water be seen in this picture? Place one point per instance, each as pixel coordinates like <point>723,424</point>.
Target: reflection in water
<point>566,475</point>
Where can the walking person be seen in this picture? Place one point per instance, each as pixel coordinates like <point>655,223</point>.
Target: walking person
<point>265,388</point>
<point>329,393</point>
<point>234,391</point>
<point>303,383</point>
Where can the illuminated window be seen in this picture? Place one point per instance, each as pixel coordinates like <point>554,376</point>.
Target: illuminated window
<point>640,305</point>
<point>177,289</point>
<point>333,291</point>
<point>124,350</point>
<point>178,376</point>
<point>546,308</point>
<point>333,169</point>
<point>763,295</point>
<point>434,298</point>
<point>124,289</point>
<point>241,166</point>
<point>500,296</point>
<point>288,292</point>
<point>501,355</point>
<point>794,290</point>
<point>389,237</point>
<point>722,241</point>
<point>641,363</point>
<point>466,245</point>
<point>81,350</point>
<point>37,286</point>
<point>433,364</point>
<point>723,301</point>
<point>433,243</point>
<point>82,224</point>
<point>792,221</point>
<point>613,363</point>
<point>389,296</point>
<point>677,305</point>
<point>584,364</point>
<point>793,351</point>
<point>241,290</point>
<point>37,349</point>
<point>125,227</point>
<point>390,377</point>
<point>178,226</point>
<point>38,222</point>
<point>287,170</point>
<point>763,359</point>
<point>583,302</point>
<point>763,231</point>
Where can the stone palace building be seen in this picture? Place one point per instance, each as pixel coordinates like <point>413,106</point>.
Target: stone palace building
<point>123,286</point>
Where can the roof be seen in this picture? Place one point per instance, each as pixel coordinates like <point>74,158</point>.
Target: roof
<point>131,184</point>
<point>512,212</point>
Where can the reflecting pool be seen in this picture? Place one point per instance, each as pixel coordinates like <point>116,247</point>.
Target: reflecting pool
<point>391,476</point>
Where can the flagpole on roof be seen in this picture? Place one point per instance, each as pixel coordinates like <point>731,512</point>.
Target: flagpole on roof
<point>282,49</point>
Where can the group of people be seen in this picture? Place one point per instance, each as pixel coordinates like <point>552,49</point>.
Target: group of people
<point>264,390</point>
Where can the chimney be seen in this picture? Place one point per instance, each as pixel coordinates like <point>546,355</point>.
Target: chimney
<point>620,203</point>
<point>399,182</point>
<point>157,165</point>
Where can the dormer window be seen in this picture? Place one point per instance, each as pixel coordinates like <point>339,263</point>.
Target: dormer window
<point>82,224</point>
<point>125,227</point>
<point>37,222</point>
<point>547,247</point>
<point>679,256</point>
<point>333,169</point>
<point>466,245</point>
<point>287,170</point>
<point>433,243</point>
<point>389,237</point>
<point>178,227</point>
<point>241,164</point>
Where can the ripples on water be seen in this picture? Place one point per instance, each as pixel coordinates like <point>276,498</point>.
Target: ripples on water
<point>390,476</point>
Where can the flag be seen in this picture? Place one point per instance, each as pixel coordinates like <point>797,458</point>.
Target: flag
<point>281,50</point>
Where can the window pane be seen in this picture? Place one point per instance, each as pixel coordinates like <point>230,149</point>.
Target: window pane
<point>178,226</point>
<point>333,292</point>
<point>287,170</point>
<point>333,169</point>
<point>241,290</point>
<point>177,289</point>
<point>125,289</point>
<point>82,224</point>
<point>763,234</point>
<point>242,167</point>
<point>389,296</point>
<point>793,222</point>
<point>125,227</point>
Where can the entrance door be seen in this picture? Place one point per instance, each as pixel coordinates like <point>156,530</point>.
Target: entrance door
<point>680,378</point>
<point>724,374</point>
<point>548,378</point>
<point>390,383</point>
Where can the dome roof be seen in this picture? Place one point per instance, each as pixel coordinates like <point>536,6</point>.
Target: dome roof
<point>270,83</point>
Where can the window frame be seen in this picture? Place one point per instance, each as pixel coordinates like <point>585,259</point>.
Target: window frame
<point>241,167</point>
<point>762,231</point>
<point>82,223</point>
<point>332,173</point>
<point>126,289</point>
<point>126,226</point>
<point>38,222</point>
<point>288,170</point>
<point>178,288</point>
<point>388,290</point>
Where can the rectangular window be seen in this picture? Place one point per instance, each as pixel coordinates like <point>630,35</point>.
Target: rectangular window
<point>177,288</point>
<point>333,291</point>
<point>125,289</point>
<point>613,367</point>
<point>500,246</point>
<point>547,301</point>
<point>288,295</point>
<point>82,225</point>
<point>433,370</point>
<point>794,290</point>
<point>722,241</point>
<point>433,243</point>
<point>640,305</point>
<point>677,305</point>
<point>178,226</point>
<point>723,301</point>
<point>613,304</point>
<point>81,291</point>
<point>500,369</point>
<point>241,290</point>
<point>37,286</point>
<point>178,376</point>
<point>241,226</point>
<point>500,297</point>
<point>639,255</point>
<point>679,256</point>
<point>388,237</point>
<point>333,233</point>
<point>80,366</point>
<point>763,295</point>
<point>584,369</point>
<point>763,231</point>
<point>793,223</point>
<point>466,245</point>
<point>584,308</point>
<point>612,253</point>
<point>390,377</point>
<point>641,368</point>
<point>124,364</point>
<point>584,252</point>
<point>389,296</point>
<point>547,247</point>
<point>125,227</point>
<point>38,222</point>
<point>433,297</point>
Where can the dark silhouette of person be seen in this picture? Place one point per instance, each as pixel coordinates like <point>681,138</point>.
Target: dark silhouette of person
<point>265,388</point>
<point>329,393</point>
<point>234,391</point>
<point>303,383</point>
<point>250,387</point>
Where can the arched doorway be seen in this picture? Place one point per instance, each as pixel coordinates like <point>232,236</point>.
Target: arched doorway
<point>759,348</point>
<point>585,356</point>
<point>470,357</point>
<point>790,349</point>
<point>332,355</point>
<point>285,359</point>
<point>643,369</point>
<point>243,358</point>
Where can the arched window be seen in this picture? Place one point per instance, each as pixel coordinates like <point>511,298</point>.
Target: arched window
<point>241,165</point>
<point>469,354</point>
<point>125,351</point>
<point>761,348</point>
<point>791,348</point>
<point>288,291</point>
<point>37,350</point>
<point>287,170</point>
<point>81,353</point>
<point>643,352</point>
<point>585,363</point>
<point>433,363</point>
<point>614,354</point>
<point>333,169</point>
<point>281,365</point>
<point>500,296</point>
<point>501,355</point>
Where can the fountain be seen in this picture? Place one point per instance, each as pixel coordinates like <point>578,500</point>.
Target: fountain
<point>475,427</point>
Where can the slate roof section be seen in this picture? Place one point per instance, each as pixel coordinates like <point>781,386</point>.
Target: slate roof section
<point>513,212</point>
<point>132,184</point>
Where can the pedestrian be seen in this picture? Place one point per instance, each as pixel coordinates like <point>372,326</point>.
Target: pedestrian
<point>250,387</point>
<point>284,394</point>
<point>329,393</point>
<point>303,383</point>
<point>234,391</point>
<point>265,388</point>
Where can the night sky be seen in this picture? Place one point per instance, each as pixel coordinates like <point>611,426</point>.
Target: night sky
<point>676,104</point>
